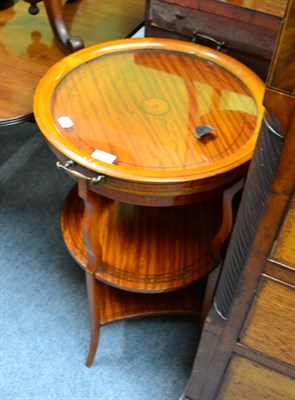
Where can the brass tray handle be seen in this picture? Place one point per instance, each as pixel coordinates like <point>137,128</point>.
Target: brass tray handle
<point>67,167</point>
<point>217,43</point>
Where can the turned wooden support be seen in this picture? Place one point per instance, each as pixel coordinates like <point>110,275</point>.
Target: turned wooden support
<point>55,15</point>
<point>33,8</point>
<point>54,10</point>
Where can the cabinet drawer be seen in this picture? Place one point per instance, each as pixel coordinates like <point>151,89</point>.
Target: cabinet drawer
<point>283,251</point>
<point>247,380</point>
<point>270,327</point>
<point>239,33</point>
<point>247,35</point>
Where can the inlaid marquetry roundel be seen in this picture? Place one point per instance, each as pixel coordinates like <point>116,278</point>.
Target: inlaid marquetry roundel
<point>143,102</point>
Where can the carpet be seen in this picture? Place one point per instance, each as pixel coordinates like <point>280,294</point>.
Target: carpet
<point>44,310</point>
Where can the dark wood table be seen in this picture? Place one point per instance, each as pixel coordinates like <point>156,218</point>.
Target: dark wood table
<point>127,119</point>
<point>29,46</point>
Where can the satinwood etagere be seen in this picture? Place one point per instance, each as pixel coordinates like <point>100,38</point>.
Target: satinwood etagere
<point>181,122</point>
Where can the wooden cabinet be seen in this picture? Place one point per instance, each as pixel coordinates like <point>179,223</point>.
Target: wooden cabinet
<point>263,357</point>
<point>240,382</point>
<point>247,348</point>
<point>246,30</point>
<point>272,310</point>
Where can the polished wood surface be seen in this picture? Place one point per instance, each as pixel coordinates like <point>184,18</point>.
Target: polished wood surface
<point>283,250</point>
<point>247,346</point>
<point>273,307</point>
<point>144,249</point>
<point>119,304</point>
<point>28,47</point>
<point>248,380</point>
<point>162,90</point>
<point>68,42</point>
<point>244,29</point>
<point>270,7</point>
<point>142,100</point>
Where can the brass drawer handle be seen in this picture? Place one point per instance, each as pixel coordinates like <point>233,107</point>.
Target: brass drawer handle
<point>197,35</point>
<point>67,167</point>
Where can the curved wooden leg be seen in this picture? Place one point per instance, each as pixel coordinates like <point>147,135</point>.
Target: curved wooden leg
<point>54,10</point>
<point>94,255</point>
<point>93,287</point>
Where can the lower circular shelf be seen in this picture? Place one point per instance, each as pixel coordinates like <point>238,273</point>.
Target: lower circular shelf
<point>145,249</point>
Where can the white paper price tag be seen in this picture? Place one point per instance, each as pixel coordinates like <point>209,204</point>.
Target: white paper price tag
<point>65,122</point>
<point>103,156</point>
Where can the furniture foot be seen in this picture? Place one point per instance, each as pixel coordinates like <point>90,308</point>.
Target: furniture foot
<point>93,289</point>
<point>33,8</point>
<point>68,43</point>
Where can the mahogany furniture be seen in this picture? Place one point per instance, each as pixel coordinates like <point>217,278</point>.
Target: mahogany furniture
<point>58,22</point>
<point>154,132</point>
<point>246,30</point>
<point>54,10</point>
<point>29,47</point>
<point>247,348</point>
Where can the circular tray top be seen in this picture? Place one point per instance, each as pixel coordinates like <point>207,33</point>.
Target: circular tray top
<point>145,101</point>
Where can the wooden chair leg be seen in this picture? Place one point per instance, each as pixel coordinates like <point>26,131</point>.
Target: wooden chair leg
<point>94,301</point>
<point>68,43</point>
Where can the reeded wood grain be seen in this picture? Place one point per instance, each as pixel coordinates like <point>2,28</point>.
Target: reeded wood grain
<point>144,249</point>
<point>142,100</point>
<point>260,175</point>
<point>246,380</point>
<point>28,47</point>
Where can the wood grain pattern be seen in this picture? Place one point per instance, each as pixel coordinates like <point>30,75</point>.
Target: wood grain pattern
<point>138,242</point>
<point>280,271</point>
<point>144,249</point>
<point>108,304</point>
<point>273,309</point>
<point>284,248</point>
<point>241,382</point>
<point>257,6</point>
<point>141,100</point>
<point>28,47</point>
<point>267,377</point>
<point>120,304</point>
<point>246,30</point>
<point>243,23</point>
